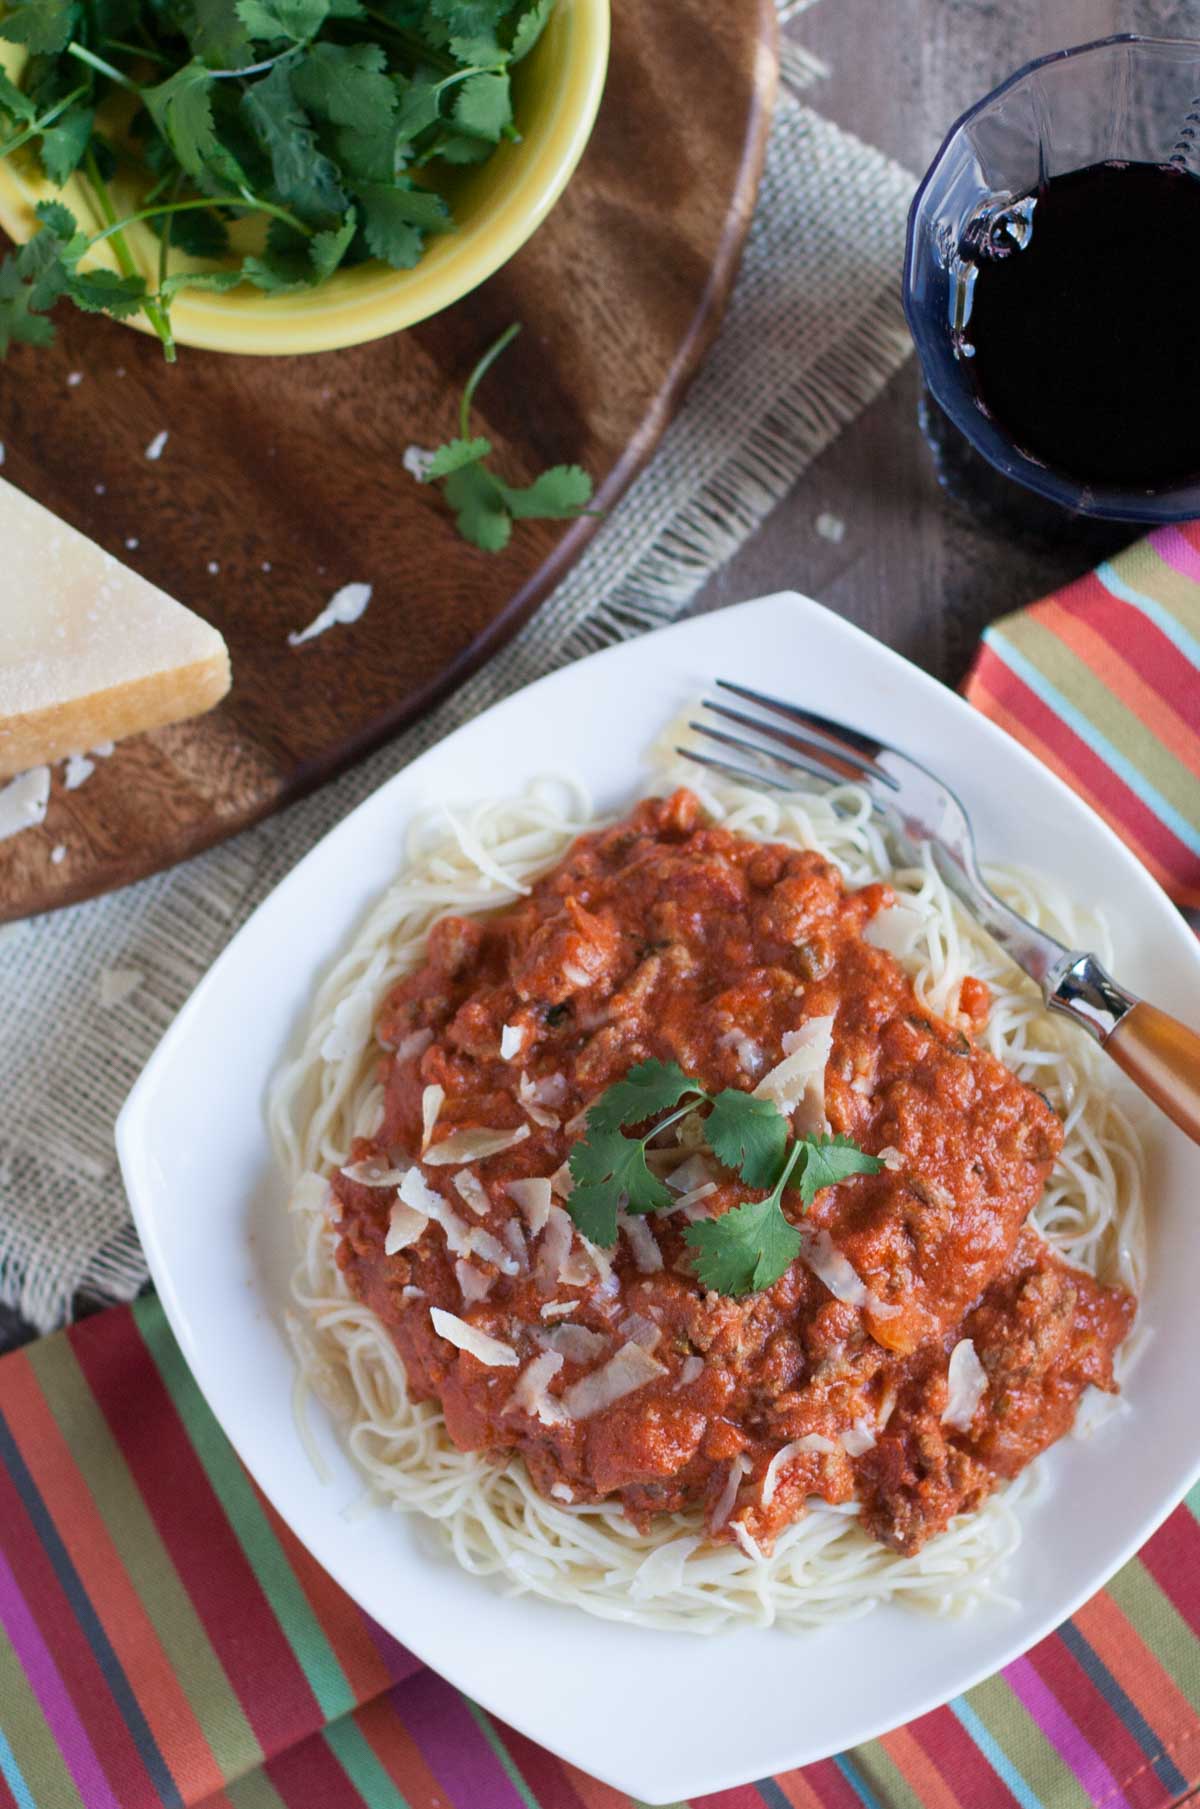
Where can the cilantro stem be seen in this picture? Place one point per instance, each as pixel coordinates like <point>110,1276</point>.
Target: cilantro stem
<point>45,119</point>
<point>84,55</point>
<point>150,308</point>
<point>139,50</point>
<point>799,1148</point>
<point>244,200</point>
<point>479,373</point>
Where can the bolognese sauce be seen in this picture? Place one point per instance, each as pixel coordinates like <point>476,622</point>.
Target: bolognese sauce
<point>961,1349</point>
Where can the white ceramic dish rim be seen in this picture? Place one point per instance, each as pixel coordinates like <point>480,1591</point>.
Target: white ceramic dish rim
<point>576,1658</point>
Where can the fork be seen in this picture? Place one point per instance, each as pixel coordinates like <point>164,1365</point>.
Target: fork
<point>1158,1053</point>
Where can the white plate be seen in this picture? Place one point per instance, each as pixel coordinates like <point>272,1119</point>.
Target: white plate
<point>660,1715</point>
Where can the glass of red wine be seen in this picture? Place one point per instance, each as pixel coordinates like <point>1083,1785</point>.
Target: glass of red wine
<point>1051,277</point>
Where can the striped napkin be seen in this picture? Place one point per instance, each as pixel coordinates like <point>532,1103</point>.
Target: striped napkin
<point>164,1640</point>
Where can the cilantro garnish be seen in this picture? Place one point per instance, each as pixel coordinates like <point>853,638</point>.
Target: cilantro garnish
<point>746,1249</point>
<point>485,507</point>
<point>317,118</point>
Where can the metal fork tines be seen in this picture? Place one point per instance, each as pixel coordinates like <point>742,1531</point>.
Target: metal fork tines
<point>814,745</point>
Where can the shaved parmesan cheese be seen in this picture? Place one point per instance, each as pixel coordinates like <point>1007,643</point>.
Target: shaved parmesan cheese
<point>514,1237</point>
<point>23,803</point>
<point>576,976</point>
<point>693,1369</point>
<point>412,1293</point>
<point>473,1145</point>
<point>533,1197</point>
<point>691,1204</point>
<point>967,1379</point>
<point>345,605</point>
<point>431,1104</point>
<point>405,1226</point>
<point>562,1181</point>
<point>474,1284</point>
<point>840,1277</point>
<point>512,1041</point>
<point>797,1083</point>
<point>891,1158</point>
<point>632,1368</point>
<point>558,1309</point>
<point>728,1495</point>
<point>482,1243</point>
<point>695,1172</point>
<point>746,1540</point>
<point>747,1053</point>
<point>554,1249</point>
<point>642,1242</point>
<point>858,1439</point>
<point>531,1394</point>
<point>466,1337</point>
<point>895,931</point>
<point>574,1342</point>
<point>550,1090</point>
<point>641,1330</point>
<point>461,1240</point>
<point>414,1044</point>
<point>562,1491</point>
<point>662,1572</point>
<point>799,1447</point>
<point>373,1174</point>
<point>470,1188</point>
<point>527,1093</point>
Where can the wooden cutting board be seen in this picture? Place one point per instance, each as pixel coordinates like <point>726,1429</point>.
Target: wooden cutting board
<point>282,479</point>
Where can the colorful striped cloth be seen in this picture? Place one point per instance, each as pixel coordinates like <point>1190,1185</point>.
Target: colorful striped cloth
<point>1102,682</point>
<point>164,1640</point>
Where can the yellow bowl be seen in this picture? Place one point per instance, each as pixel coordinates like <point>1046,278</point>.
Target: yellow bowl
<point>556,93</point>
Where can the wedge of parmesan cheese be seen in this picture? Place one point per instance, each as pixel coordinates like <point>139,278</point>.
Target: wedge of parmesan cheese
<point>89,651</point>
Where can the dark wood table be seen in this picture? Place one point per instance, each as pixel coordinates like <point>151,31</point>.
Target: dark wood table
<point>933,548</point>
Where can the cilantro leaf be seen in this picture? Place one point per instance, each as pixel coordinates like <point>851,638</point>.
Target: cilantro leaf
<point>274,19</point>
<point>606,1168</point>
<point>828,1160</point>
<point>200,233</point>
<point>285,263</point>
<point>454,455</point>
<point>396,219</point>
<point>419,109</point>
<point>64,143</point>
<point>748,1134</point>
<point>181,108</point>
<point>106,292</point>
<point>218,280</point>
<point>480,514</point>
<point>484,106</point>
<point>18,106</point>
<point>19,322</point>
<point>530,26</point>
<point>217,35</point>
<point>327,249</point>
<point>746,1249</point>
<point>469,18</point>
<point>649,1088</point>
<point>559,494</point>
<point>45,27</point>
<point>304,178</point>
<point>347,84</point>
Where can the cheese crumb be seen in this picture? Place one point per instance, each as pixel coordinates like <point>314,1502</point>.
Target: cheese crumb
<point>101,489</point>
<point>58,854</point>
<point>23,801</point>
<point>1,452</point>
<point>213,567</point>
<point>831,527</point>
<point>132,542</point>
<point>346,605</point>
<point>74,379</point>
<point>102,750</point>
<point>416,462</point>
<point>155,449</point>
<point>78,770</point>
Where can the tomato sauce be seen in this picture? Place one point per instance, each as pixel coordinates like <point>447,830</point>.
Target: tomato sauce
<point>664,937</point>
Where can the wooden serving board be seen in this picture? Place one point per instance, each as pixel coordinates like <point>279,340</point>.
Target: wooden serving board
<point>282,478</point>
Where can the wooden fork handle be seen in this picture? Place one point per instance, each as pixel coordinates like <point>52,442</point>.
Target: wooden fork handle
<point>1162,1057</point>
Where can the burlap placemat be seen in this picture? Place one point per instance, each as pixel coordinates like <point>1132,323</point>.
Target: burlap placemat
<point>813,332</point>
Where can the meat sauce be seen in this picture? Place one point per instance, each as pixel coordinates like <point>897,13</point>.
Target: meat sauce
<point>664,937</point>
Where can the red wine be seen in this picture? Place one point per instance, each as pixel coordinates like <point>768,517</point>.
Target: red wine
<point>1084,324</point>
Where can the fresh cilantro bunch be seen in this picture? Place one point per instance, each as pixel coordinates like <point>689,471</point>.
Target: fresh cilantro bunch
<point>324,120</point>
<point>485,507</point>
<point>746,1249</point>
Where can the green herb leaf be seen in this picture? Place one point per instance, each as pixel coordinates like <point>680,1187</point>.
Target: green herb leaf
<point>557,495</point>
<point>285,263</point>
<point>19,323</point>
<point>469,18</point>
<point>746,1249</point>
<point>44,26</point>
<point>484,107</point>
<point>218,280</point>
<point>217,35</point>
<point>63,144</point>
<point>181,108</point>
<point>454,455</point>
<point>397,219</point>
<point>748,1134</point>
<point>480,514</point>
<point>304,178</point>
<point>347,84</point>
<point>298,20</point>
<point>607,1168</point>
<point>327,249</point>
<point>18,106</point>
<point>199,232</point>
<point>649,1088</point>
<point>828,1160</point>
<point>106,292</point>
<point>530,26</point>
<point>420,108</point>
